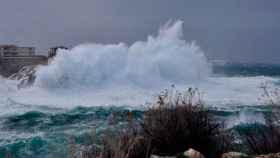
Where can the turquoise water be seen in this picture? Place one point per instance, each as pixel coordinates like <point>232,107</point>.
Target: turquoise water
<point>243,69</point>
<point>40,134</point>
<point>45,131</point>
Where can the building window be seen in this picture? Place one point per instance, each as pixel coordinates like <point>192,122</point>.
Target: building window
<point>10,54</point>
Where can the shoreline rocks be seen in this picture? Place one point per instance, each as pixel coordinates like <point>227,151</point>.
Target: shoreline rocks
<point>272,155</point>
<point>191,153</point>
<point>235,155</point>
<point>26,76</point>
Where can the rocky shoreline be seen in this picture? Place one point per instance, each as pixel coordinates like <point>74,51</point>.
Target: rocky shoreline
<point>26,76</point>
<point>191,153</point>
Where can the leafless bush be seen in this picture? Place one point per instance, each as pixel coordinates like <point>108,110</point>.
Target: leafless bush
<point>126,143</point>
<point>262,140</point>
<point>72,148</point>
<point>266,139</point>
<point>8,155</point>
<point>173,124</point>
<point>181,122</point>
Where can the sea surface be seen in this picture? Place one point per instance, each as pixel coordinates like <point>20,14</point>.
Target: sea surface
<point>30,130</point>
<point>75,97</point>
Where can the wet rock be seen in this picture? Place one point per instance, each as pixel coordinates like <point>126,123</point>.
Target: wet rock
<point>25,76</point>
<point>155,156</point>
<point>235,155</point>
<point>191,153</point>
<point>274,155</point>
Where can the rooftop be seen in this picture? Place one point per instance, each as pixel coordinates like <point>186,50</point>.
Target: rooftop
<point>7,46</point>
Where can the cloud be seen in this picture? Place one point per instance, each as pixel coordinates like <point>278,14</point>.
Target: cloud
<point>238,30</point>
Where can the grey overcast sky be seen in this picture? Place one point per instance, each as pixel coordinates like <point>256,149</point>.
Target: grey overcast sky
<point>233,30</point>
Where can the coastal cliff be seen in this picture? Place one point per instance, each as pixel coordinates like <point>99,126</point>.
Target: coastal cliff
<point>12,65</point>
<point>14,58</point>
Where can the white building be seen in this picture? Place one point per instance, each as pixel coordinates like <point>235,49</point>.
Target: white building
<point>15,51</point>
<point>14,58</point>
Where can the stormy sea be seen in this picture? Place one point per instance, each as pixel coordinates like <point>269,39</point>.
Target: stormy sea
<point>77,93</point>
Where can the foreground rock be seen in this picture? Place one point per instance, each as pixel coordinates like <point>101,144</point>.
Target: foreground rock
<point>191,153</point>
<point>235,155</point>
<point>155,156</point>
<point>275,155</point>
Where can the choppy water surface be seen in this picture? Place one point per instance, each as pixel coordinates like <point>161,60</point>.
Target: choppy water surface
<point>46,134</point>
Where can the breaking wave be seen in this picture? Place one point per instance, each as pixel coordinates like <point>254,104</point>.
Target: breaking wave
<point>161,60</point>
<point>120,74</point>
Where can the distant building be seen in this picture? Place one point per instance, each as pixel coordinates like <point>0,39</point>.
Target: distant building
<point>53,51</point>
<point>13,50</point>
<point>13,58</point>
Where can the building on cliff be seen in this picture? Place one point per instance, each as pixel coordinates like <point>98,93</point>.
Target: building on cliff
<point>13,58</point>
<point>13,50</point>
<point>53,51</point>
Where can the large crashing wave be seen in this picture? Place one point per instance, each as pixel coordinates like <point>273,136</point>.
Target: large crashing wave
<point>162,60</point>
<point>118,74</point>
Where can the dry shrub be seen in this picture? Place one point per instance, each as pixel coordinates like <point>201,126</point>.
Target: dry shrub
<point>71,148</point>
<point>125,143</point>
<point>8,155</point>
<point>181,122</point>
<point>266,139</point>
<point>171,126</point>
<point>262,140</point>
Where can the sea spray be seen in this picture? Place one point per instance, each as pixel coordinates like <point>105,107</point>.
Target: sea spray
<point>160,61</point>
<point>119,74</point>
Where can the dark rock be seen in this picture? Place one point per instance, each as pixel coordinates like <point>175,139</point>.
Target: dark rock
<point>26,76</point>
<point>274,155</point>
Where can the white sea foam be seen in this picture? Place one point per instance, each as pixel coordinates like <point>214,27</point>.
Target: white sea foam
<point>159,61</point>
